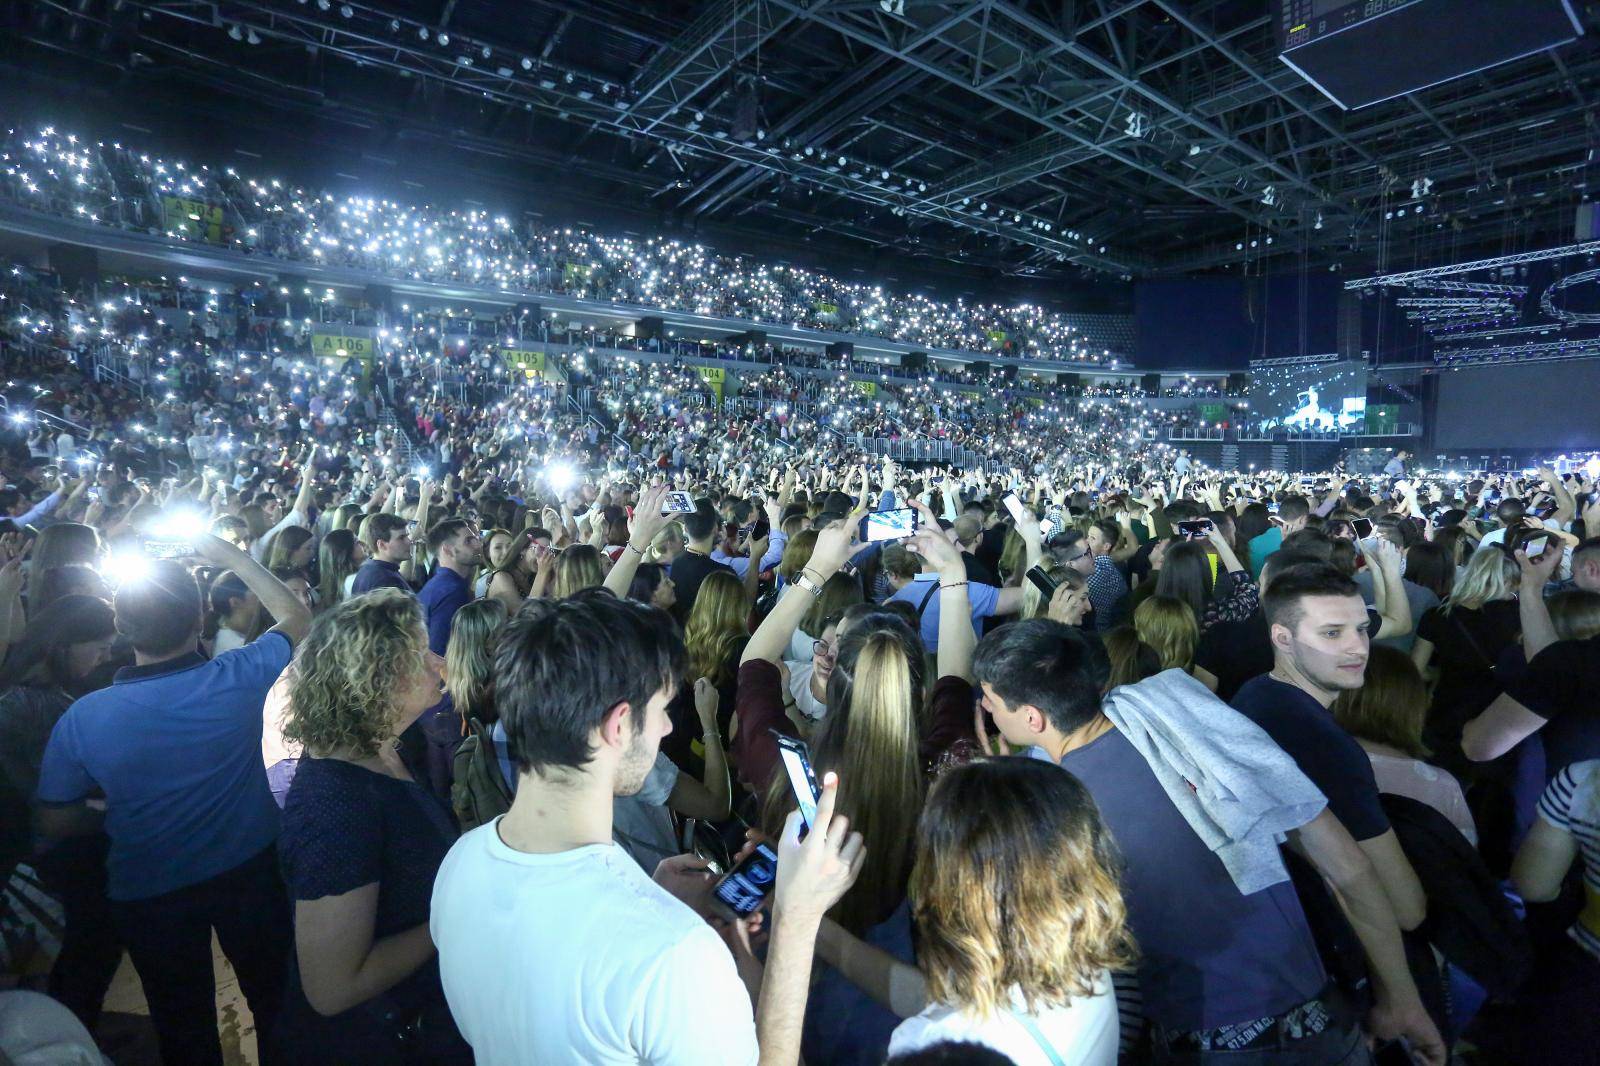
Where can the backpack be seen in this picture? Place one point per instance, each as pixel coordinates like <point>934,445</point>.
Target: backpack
<point>479,792</point>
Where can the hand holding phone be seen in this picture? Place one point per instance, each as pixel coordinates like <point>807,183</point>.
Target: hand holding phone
<point>896,524</point>
<point>1196,529</point>
<point>796,759</point>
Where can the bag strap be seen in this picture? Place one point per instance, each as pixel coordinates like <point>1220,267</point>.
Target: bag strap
<point>1487,662</point>
<point>491,757</point>
<point>923,606</point>
<point>1045,1046</point>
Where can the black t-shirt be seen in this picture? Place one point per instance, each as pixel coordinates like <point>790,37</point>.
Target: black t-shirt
<point>1562,685</point>
<point>688,570</point>
<point>979,571</point>
<point>990,545</point>
<point>1325,753</point>
<point>1234,652</point>
<point>1467,644</point>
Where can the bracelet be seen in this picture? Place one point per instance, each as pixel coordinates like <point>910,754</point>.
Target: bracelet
<point>638,551</point>
<point>816,574</point>
<point>953,585</point>
<point>804,582</point>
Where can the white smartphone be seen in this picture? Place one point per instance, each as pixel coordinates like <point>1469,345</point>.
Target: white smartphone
<point>678,503</point>
<point>1013,505</point>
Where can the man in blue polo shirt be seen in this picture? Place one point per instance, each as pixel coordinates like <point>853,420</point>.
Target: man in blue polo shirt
<point>169,760</point>
<point>390,550</point>
<point>921,591</point>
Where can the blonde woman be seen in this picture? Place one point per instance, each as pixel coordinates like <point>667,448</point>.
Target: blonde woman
<point>1460,642</point>
<point>1168,625</point>
<point>576,568</point>
<point>716,635</point>
<point>1019,915</point>
<point>1034,603</point>
<point>341,555</point>
<point>361,842</point>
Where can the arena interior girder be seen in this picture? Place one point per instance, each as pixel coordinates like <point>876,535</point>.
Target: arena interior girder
<point>1122,136</point>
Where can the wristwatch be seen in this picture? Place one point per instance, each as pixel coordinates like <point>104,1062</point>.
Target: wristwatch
<point>809,585</point>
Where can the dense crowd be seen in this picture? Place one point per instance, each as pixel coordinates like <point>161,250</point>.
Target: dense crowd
<point>477,727</point>
<point>117,185</point>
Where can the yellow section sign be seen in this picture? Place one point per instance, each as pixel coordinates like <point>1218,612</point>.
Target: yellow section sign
<point>531,363</point>
<point>335,346</point>
<point>715,377</point>
<point>192,218</point>
<point>867,388</point>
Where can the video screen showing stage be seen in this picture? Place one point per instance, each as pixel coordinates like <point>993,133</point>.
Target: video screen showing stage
<point>1319,397</point>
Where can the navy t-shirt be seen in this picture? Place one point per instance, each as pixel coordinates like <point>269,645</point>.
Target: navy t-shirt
<point>1559,685</point>
<point>1208,954</point>
<point>1307,731</point>
<point>345,826</point>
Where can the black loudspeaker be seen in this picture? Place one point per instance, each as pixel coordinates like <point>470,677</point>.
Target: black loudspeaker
<point>1238,383</point>
<point>1349,325</point>
<point>1359,52</point>
<point>979,369</point>
<point>649,328</point>
<point>1151,383</point>
<point>378,297</point>
<point>1008,371</point>
<point>1070,381</point>
<point>841,349</point>
<point>915,361</point>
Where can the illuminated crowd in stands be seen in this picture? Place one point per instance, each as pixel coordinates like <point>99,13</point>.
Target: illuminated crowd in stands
<point>117,185</point>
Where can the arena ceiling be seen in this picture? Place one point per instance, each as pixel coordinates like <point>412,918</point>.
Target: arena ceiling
<point>1118,137</point>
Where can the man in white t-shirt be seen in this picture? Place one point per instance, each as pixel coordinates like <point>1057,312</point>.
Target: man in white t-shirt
<point>554,946</point>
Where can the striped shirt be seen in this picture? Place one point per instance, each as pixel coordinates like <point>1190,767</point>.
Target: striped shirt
<point>1571,803</point>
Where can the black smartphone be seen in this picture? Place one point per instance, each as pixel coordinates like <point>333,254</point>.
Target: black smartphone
<point>1042,581</point>
<point>1362,526</point>
<point>896,524</point>
<point>746,886</point>
<point>760,530</point>
<point>1197,529</point>
<point>802,779</point>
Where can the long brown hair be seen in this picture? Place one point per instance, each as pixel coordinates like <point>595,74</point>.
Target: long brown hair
<point>577,568</point>
<point>871,738</point>
<point>717,626</point>
<point>1389,706</point>
<point>1015,886</point>
<point>1168,625</point>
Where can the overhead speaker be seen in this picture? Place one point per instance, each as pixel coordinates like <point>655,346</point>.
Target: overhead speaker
<point>915,361</point>
<point>1151,383</point>
<point>1360,52</point>
<point>1348,325</point>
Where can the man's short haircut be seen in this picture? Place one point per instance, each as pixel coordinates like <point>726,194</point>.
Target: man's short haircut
<point>159,613</point>
<point>1590,544</point>
<point>701,523</point>
<point>444,531</point>
<point>1181,511</point>
<point>1048,664</point>
<point>1510,511</point>
<point>1293,508</point>
<point>383,527</point>
<point>901,563</point>
<point>1290,587</point>
<point>562,665</point>
<point>968,528</point>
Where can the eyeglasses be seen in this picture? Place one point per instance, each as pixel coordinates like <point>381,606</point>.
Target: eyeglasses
<point>822,649</point>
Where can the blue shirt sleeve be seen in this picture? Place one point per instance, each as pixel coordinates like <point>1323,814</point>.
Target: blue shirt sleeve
<point>39,510</point>
<point>62,776</point>
<point>984,599</point>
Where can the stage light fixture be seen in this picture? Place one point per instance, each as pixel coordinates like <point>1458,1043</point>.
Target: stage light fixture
<point>235,32</point>
<point>252,37</point>
<point>1319,221</point>
<point>422,31</point>
<point>486,53</point>
<point>444,40</point>
<point>527,64</point>
<point>346,11</point>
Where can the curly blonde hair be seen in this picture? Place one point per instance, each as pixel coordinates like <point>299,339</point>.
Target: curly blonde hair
<point>1015,886</point>
<point>349,668</point>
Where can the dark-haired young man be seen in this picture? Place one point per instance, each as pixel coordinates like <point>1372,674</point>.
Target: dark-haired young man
<point>694,564</point>
<point>1320,631</point>
<point>174,745</point>
<point>457,547</point>
<point>390,538</point>
<point>554,946</point>
<point>1222,973</point>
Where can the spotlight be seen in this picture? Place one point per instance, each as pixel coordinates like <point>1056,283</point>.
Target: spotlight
<point>252,37</point>
<point>346,11</point>
<point>323,5</point>
<point>235,32</point>
<point>527,64</point>
<point>485,53</point>
<point>422,31</point>
<point>444,40</point>
<point>1319,221</point>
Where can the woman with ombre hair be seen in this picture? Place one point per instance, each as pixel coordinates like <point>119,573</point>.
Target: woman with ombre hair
<point>1020,917</point>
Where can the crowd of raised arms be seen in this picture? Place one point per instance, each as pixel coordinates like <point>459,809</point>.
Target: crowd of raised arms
<point>476,728</point>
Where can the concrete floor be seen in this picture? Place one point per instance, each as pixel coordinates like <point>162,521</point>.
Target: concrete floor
<point>126,1036</point>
